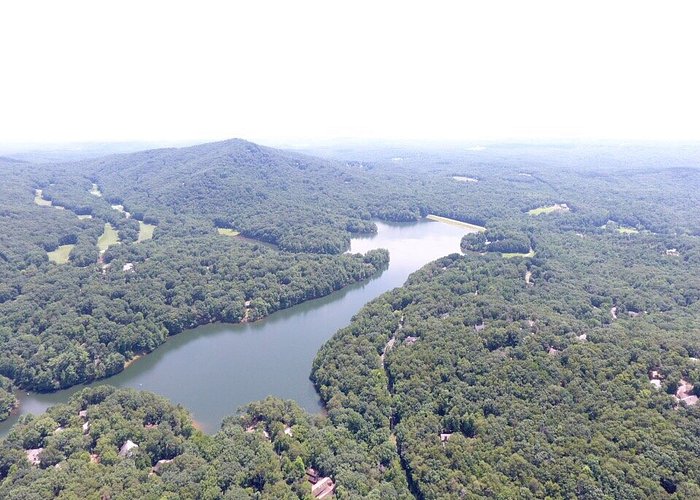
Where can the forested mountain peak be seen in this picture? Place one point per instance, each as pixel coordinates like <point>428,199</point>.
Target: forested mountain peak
<point>231,152</point>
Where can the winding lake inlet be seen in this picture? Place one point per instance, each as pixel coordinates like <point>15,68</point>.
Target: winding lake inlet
<point>212,370</point>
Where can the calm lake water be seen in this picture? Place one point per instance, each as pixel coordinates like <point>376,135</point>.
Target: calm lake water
<point>213,370</point>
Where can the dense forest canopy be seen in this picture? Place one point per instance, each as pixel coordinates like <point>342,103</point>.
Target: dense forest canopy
<point>568,370</point>
<point>570,373</point>
<point>109,443</point>
<point>122,294</point>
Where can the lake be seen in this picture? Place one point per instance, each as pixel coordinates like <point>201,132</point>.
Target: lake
<point>212,370</point>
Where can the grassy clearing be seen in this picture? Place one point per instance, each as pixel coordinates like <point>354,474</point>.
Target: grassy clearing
<point>39,199</point>
<point>620,229</point>
<point>61,254</point>
<point>465,225</point>
<point>531,253</point>
<point>224,231</point>
<point>109,237</point>
<point>145,231</point>
<point>557,207</point>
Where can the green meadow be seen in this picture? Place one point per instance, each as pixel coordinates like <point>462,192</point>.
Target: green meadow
<point>145,231</point>
<point>61,254</point>
<point>531,253</point>
<point>39,199</point>
<point>109,237</point>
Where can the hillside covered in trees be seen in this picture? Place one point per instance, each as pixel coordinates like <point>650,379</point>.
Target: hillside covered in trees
<point>110,443</point>
<point>556,357</point>
<point>573,372</point>
<point>136,272</point>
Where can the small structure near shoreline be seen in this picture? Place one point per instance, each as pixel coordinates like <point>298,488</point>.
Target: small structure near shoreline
<point>33,456</point>
<point>254,427</point>
<point>127,448</point>
<point>159,464</point>
<point>655,379</point>
<point>685,393</point>
<point>321,487</point>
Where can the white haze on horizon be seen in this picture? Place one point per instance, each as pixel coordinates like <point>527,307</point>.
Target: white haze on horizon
<point>292,72</point>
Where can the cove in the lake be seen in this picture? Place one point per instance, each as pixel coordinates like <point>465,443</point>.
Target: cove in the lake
<point>214,369</point>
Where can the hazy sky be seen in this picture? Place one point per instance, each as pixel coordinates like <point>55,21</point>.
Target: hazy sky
<point>298,70</point>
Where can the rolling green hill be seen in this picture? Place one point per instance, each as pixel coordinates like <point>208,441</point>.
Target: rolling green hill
<point>61,325</point>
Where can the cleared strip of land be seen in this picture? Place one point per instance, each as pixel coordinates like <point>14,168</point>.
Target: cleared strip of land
<point>446,220</point>
<point>39,199</point>
<point>558,207</point>
<point>43,202</point>
<point>620,228</point>
<point>61,254</point>
<point>145,231</point>
<point>531,253</point>
<point>109,237</point>
<point>224,231</point>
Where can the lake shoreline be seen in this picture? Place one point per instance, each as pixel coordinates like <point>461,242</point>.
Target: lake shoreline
<point>189,366</point>
<point>20,392</point>
<point>455,222</point>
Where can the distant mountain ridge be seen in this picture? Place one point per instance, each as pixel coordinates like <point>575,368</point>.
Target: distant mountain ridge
<point>7,159</point>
